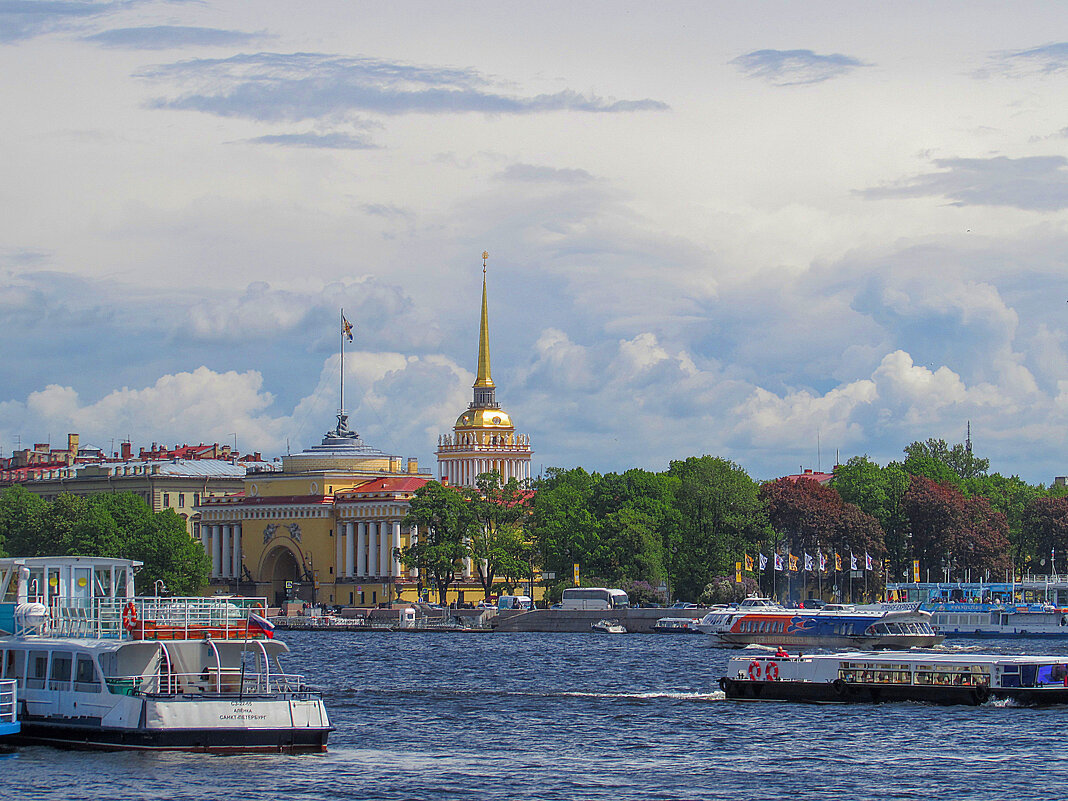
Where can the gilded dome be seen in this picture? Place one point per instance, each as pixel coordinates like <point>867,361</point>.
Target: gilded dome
<point>484,418</point>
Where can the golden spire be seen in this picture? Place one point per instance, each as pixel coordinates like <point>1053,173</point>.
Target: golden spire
<point>483,379</point>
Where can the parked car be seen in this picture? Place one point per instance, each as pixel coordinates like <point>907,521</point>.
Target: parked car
<point>683,605</point>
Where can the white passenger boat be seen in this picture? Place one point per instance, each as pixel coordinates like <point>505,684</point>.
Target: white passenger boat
<point>872,677</point>
<point>97,667</point>
<point>608,627</point>
<point>963,619</point>
<point>760,621</point>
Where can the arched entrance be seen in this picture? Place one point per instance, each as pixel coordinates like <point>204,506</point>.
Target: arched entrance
<point>281,565</point>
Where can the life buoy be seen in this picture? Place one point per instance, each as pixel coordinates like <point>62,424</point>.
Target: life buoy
<point>129,616</point>
<point>754,670</point>
<point>257,608</point>
<point>981,694</point>
<point>841,689</point>
<point>771,671</point>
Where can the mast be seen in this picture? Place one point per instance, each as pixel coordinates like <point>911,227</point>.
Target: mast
<point>341,409</point>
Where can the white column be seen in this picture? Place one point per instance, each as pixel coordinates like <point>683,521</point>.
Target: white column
<point>205,540</point>
<point>235,565</point>
<point>339,551</point>
<point>396,544</point>
<point>372,549</point>
<point>350,548</point>
<point>216,549</point>
<point>383,548</point>
<point>361,550</point>
<point>226,552</point>
<point>413,539</point>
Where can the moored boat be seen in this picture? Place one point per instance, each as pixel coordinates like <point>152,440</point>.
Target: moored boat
<point>760,621</point>
<point>676,625</point>
<point>873,677</point>
<point>97,667</point>
<point>608,627</point>
<point>970,619</point>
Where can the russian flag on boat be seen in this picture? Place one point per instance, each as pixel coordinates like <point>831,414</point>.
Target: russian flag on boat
<point>260,625</point>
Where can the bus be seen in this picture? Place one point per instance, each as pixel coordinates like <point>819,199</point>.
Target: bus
<point>594,598</point>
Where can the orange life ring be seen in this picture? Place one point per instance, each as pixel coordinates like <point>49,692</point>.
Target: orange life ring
<point>771,672</point>
<point>129,616</point>
<point>754,670</point>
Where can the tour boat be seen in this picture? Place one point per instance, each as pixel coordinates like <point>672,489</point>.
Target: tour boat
<point>964,619</point>
<point>608,627</point>
<point>760,621</point>
<point>97,667</point>
<point>872,677</point>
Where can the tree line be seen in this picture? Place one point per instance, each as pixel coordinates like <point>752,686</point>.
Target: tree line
<point>115,525</point>
<point>686,529</point>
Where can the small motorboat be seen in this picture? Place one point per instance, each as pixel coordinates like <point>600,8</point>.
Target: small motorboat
<point>608,627</point>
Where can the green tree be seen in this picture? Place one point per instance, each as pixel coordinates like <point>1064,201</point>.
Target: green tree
<point>446,523</point>
<point>959,460</point>
<point>498,544</point>
<point>22,521</point>
<point>720,517</point>
<point>115,525</point>
<point>878,491</point>
<point>562,523</point>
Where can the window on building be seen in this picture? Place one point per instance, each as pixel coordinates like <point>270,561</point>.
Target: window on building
<point>166,499</point>
<point>196,499</point>
<point>181,499</point>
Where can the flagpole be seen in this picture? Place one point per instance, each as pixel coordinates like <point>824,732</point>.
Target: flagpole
<point>342,409</point>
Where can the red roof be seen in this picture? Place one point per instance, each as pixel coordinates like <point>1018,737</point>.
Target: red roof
<point>822,478</point>
<point>389,484</point>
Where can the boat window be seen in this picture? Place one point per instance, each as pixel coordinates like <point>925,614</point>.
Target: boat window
<point>61,664</point>
<point>15,666</point>
<point>1053,674</point>
<point>85,676</point>
<point>38,671</point>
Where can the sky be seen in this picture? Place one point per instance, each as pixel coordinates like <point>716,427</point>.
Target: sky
<point>779,233</point>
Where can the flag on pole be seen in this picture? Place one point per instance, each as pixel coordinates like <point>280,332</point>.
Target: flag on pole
<point>853,561</point>
<point>748,563</point>
<point>793,563</point>
<point>778,562</point>
<point>867,561</point>
<point>346,327</point>
<point>260,625</point>
<point>763,562</point>
<point>837,561</point>
<point>823,562</point>
<point>808,563</point>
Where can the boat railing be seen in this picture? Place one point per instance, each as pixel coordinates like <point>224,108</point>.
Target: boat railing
<point>147,617</point>
<point>228,681</point>
<point>9,696</point>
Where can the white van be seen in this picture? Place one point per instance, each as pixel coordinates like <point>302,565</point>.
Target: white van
<point>515,602</point>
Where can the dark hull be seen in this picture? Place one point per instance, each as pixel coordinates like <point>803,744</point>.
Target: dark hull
<point>94,737</point>
<point>840,692</point>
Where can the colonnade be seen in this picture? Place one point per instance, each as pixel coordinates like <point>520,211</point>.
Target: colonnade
<point>366,549</point>
<point>222,543</point>
<point>463,472</point>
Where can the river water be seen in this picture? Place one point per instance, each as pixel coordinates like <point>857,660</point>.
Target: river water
<point>581,716</point>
